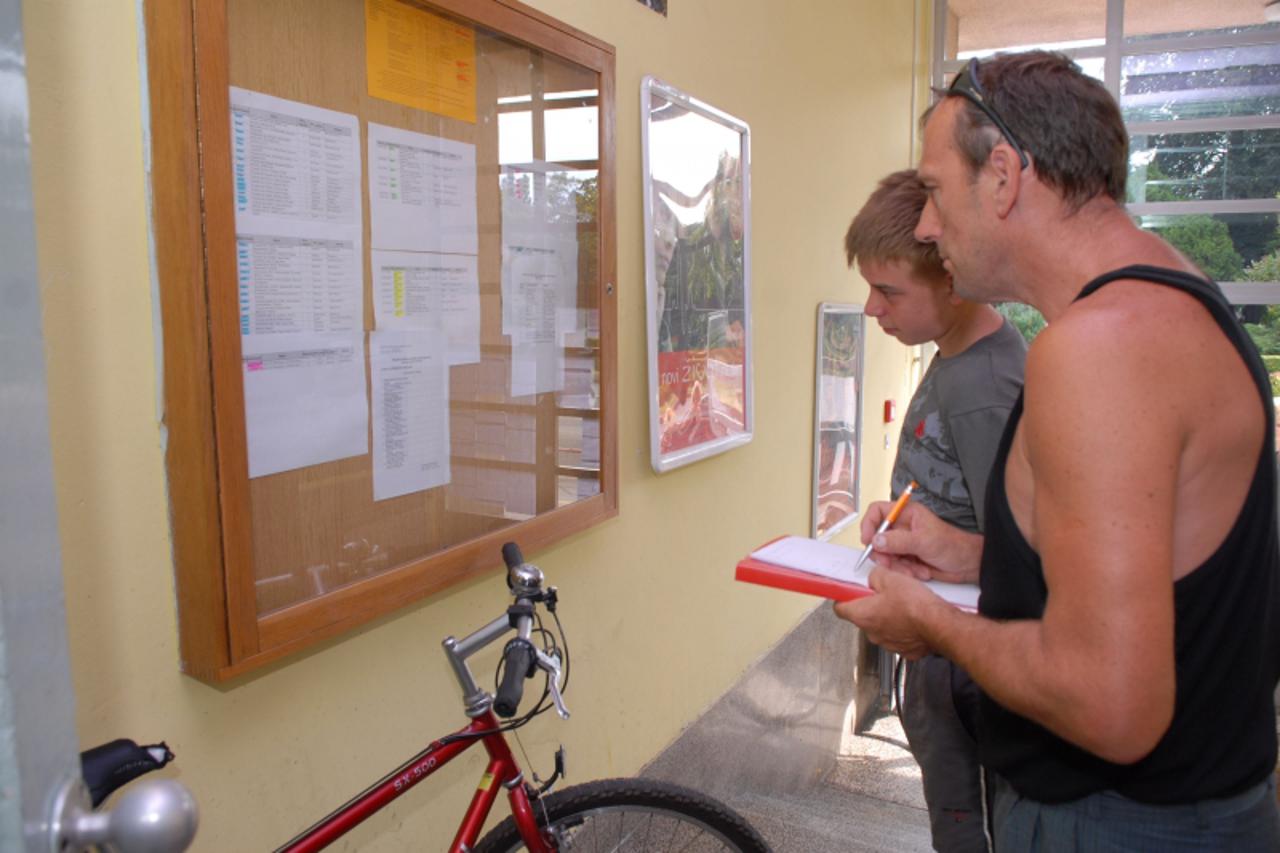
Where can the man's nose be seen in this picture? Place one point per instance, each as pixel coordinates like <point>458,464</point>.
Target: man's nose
<point>928,227</point>
<point>875,304</point>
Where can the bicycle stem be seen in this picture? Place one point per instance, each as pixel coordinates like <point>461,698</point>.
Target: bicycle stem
<point>476,700</point>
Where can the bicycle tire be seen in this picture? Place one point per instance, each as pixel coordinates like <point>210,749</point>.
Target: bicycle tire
<point>636,816</point>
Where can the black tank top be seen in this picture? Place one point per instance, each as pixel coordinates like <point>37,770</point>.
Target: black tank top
<point>1226,633</point>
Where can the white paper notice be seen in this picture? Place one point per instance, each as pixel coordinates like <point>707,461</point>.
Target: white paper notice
<point>304,400</point>
<point>293,162</point>
<point>299,281</point>
<point>841,563</point>
<point>410,412</point>
<point>532,277</point>
<point>439,293</point>
<point>422,192</point>
<point>296,281</point>
<point>539,279</point>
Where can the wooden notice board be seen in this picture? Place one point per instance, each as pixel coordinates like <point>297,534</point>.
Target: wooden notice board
<point>385,235</point>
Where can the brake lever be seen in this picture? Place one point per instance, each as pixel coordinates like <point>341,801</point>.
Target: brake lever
<point>550,664</point>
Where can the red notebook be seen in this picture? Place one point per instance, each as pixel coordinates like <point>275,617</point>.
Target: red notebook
<point>799,564</point>
<point>752,570</point>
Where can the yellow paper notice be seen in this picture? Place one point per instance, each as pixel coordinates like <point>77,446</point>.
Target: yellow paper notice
<point>420,60</point>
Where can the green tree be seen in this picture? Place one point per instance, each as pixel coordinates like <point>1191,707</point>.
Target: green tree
<point>1207,242</point>
<point>1024,318</point>
<point>1262,322</point>
<point>1266,268</point>
<point>1153,186</point>
<point>1213,166</point>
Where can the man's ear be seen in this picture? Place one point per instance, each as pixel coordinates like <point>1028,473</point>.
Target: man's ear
<point>1008,172</point>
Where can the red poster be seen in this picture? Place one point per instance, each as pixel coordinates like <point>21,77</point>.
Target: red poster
<point>701,397</point>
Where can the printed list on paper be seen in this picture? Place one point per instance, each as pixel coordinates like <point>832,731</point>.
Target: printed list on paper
<point>304,400</point>
<point>299,280</point>
<point>436,293</point>
<point>539,277</point>
<point>422,192</point>
<point>410,377</point>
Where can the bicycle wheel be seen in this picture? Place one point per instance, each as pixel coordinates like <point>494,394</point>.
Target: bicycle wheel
<point>636,816</point>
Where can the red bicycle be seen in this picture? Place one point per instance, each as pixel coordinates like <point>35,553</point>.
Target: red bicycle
<point>609,814</point>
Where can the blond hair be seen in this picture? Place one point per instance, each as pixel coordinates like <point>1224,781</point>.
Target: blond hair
<point>884,230</point>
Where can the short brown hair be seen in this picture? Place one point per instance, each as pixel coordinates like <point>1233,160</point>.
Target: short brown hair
<point>884,230</point>
<point>1065,120</point>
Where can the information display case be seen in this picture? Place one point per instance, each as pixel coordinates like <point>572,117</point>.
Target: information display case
<point>385,238</point>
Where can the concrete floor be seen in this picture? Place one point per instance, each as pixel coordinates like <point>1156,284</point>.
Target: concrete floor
<point>870,801</point>
<point>776,748</point>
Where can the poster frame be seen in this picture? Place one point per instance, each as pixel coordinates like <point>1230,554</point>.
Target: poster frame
<point>853,431</point>
<point>657,95</point>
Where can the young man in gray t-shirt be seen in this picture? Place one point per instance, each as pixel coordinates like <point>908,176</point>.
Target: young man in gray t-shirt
<point>949,439</point>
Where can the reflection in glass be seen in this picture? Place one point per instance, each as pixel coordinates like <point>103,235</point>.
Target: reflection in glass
<point>1229,81</point>
<point>697,275</point>
<point>1215,166</point>
<point>515,137</point>
<point>572,134</point>
<point>837,420</point>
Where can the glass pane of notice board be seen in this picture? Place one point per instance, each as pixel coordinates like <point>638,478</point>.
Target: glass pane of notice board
<point>410,294</point>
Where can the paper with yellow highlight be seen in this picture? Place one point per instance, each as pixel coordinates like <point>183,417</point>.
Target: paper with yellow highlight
<point>420,59</point>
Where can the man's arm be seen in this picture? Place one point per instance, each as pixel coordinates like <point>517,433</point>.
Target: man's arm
<point>1102,446</point>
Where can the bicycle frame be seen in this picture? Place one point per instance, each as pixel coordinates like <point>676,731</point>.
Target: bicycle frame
<point>502,770</point>
<point>525,582</point>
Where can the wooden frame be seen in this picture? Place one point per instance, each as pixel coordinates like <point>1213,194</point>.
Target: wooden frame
<point>222,633</point>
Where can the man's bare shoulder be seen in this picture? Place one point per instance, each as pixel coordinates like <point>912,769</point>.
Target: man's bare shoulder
<point>1133,344</point>
<point>1128,318</point>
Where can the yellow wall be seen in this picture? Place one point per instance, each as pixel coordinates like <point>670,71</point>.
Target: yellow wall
<point>658,629</point>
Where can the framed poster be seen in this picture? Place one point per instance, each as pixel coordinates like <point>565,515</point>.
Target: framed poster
<point>837,418</point>
<point>697,216</point>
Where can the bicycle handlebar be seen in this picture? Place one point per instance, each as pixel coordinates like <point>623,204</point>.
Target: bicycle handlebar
<point>511,555</point>
<point>518,664</point>
<point>521,658</point>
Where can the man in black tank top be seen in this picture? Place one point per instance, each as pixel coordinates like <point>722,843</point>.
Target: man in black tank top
<point>1128,637</point>
<point>950,436</point>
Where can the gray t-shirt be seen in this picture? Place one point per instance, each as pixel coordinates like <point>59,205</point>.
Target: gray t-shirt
<point>953,426</point>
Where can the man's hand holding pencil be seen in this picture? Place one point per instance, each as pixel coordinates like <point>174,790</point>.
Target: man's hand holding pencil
<point>920,544</point>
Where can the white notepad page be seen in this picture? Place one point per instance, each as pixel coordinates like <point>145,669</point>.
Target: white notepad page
<point>840,562</point>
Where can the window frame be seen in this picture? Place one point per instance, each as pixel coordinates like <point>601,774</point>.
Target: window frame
<point>1113,52</point>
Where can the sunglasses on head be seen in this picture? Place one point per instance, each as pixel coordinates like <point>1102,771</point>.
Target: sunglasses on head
<point>966,85</point>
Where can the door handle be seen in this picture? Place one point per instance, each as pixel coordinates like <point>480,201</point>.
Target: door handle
<point>152,816</point>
